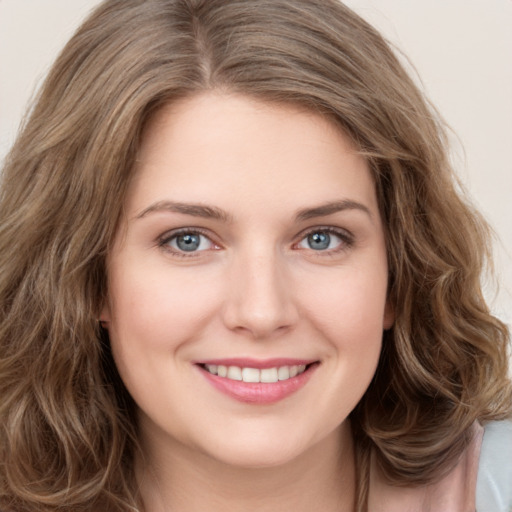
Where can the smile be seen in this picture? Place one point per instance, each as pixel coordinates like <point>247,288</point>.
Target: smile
<point>258,382</point>
<point>247,374</point>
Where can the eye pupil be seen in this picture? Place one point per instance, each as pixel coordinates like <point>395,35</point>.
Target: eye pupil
<point>319,241</point>
<point>188,242</point>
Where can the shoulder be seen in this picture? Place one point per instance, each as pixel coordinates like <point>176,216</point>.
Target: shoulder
<point>494,481</point>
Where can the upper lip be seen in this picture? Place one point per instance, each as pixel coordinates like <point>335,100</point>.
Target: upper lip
<point>257,363</point>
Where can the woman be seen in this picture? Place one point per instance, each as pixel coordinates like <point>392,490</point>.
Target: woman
<point>244,277</point>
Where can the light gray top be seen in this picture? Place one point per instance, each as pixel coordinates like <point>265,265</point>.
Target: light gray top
<point>494,481</point>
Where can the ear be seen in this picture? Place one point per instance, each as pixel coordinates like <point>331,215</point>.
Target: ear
<point>105,316</point>
<point>389,315</point>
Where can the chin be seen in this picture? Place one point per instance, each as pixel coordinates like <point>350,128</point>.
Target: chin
<point>259,450</point>
<point>257,458</point>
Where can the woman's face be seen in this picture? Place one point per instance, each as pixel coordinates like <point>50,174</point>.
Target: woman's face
<point>247,283</point>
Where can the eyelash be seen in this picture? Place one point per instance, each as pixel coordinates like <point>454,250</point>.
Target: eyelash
<point>347,240</point>
<point>166,238</point>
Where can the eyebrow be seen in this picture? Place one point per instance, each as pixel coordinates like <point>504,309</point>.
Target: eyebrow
<point>212,212</point>
<point>331,208</point>
<point>196,210</point>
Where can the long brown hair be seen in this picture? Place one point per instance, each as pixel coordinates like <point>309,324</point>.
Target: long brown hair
<point>67,428</point>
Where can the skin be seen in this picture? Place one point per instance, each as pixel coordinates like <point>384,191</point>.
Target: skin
<point>254,288</point>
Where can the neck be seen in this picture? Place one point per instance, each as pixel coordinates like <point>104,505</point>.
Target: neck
<point>179,479</point>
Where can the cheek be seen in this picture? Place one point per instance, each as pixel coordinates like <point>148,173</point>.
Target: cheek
<point>350,316</point>
<point>152,317</point>
<point>351,305</point>
<point>154,306</point>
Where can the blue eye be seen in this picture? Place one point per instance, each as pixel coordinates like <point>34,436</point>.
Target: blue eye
<point>187,241</point>
<point>322,240</point>
<point>319,241</point>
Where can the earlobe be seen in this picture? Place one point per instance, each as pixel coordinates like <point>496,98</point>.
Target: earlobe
<point>104,318</point>
<point>389,315</point>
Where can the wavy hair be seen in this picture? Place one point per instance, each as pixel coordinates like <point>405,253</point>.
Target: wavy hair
<point>67,426</point>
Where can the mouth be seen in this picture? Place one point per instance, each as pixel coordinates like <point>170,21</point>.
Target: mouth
<point>258,382</point>
<point>253,375</point>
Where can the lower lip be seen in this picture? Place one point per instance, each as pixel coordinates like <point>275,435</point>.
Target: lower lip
<point>258,392</point>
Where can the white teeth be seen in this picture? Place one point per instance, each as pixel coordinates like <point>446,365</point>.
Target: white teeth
<point>283,373</point>
<point>251,375</point>
<point>267,375</point>
<point>212,368</point>
<point>234,373</point>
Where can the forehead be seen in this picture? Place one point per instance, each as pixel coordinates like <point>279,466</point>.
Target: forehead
<point>221,147</point>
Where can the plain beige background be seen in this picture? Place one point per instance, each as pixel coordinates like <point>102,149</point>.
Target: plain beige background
<point>461,50</point>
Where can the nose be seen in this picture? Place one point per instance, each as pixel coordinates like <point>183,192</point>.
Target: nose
<point>260,300</point>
